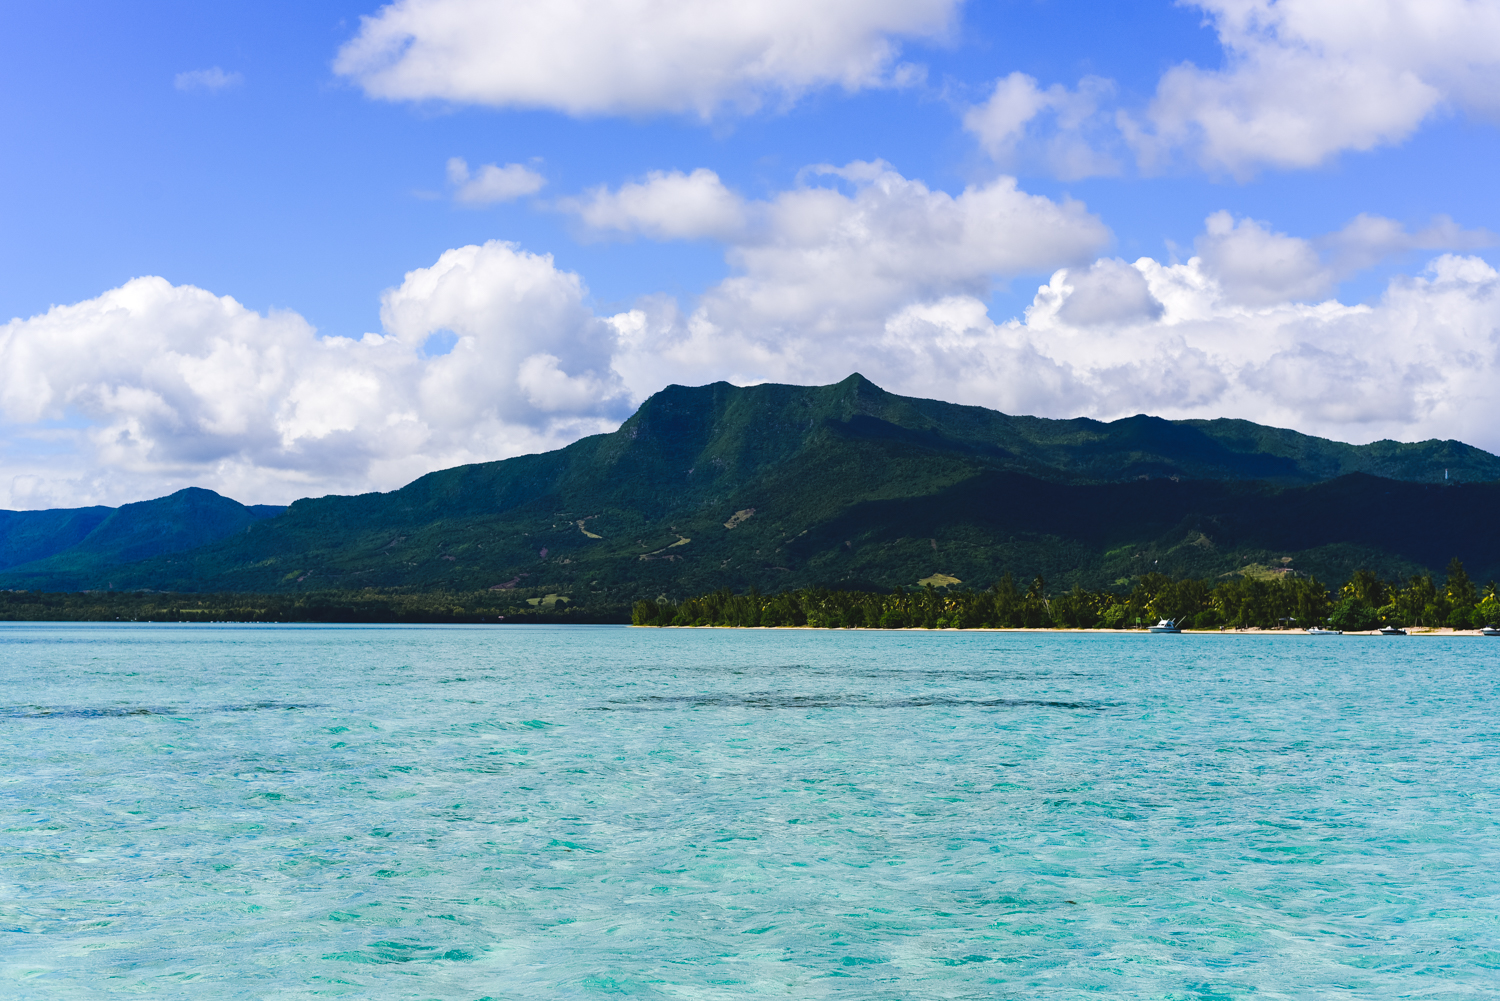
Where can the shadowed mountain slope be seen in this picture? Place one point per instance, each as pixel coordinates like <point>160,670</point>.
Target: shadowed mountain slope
<point>35,535</point>
<point>63,555</point>
<point>774,486</point>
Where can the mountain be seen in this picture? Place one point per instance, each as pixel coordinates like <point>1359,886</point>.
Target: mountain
<point>779,486</point>
<point>35,535</point>
<point>78,548</point>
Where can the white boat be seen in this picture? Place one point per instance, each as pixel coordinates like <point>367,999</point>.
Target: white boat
<point>1166,626</point>
<point>1315,631</point>
<point>1489,631</point>
<point>1392,631</point>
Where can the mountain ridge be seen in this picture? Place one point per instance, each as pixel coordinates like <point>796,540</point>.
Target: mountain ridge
<point>79,544</point>
<point>776,485</point>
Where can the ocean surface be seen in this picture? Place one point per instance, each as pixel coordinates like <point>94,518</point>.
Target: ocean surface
<point>599,812</point>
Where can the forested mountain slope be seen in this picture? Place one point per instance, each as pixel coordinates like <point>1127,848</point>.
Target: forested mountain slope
<point>774,486</point>
<point>77,548</point>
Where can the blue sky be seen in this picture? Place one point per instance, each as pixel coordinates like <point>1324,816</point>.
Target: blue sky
<point>165,159</point>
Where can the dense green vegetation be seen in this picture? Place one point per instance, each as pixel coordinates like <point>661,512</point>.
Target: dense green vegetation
<point>316,606</point>
<point>26,536</point>
<point>1365,602</point>
<point>783,488</point>
<point>81,547</point>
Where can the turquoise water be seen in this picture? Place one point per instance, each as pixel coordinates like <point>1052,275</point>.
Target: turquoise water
<point>576,812</point>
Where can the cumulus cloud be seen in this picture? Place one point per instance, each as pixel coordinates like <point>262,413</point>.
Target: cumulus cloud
<point>1306,79</point>
<point>840,250</point>
<point>1368,239</point>
<point>1110,292</point>
<point>882,239</point>
<point>586,57</point>
<point>667,205</point>
<point>1064,131</point>
<point>1301,81</point>
<point>491,184</point>
<point>152,386</point>
<point>515,316</point>
<point>1256,266</point>
<point>211,79</point>
<point>823,266</point>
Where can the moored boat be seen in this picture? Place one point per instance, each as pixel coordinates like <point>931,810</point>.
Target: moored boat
<point>1166,626</point>
<point>1489,631</point>
<point>1392,631</point>
<point>1316,631</point>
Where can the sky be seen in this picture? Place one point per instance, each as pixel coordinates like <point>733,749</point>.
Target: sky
<point>283,249</point>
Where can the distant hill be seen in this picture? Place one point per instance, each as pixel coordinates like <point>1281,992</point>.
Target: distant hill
<point>76,549</point>
<point>780,486</point>
<point>35,535</point>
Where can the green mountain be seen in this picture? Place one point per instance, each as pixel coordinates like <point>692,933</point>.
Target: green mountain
<point>35,535</point>
<point>785,486</point>
<point>78,548</point>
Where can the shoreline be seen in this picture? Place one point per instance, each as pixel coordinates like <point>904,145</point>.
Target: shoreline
<point>1411,631</point>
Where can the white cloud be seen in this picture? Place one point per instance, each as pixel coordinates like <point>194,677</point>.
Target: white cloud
<point>507,307</point>
<point>585,57</point>
<point>832,254</point>
<point>1306,79</point>
<point>157,386</point>
<point>1010,126</point>
<point>1368,239</point>
<point>211,79</point>
<point>492,184</point>
<point>836,258</point>
<point>1301,82</point>
<point>666,206</point>
<point>1255,266</point>
<point>821,269</point>
<point>1109,292</point>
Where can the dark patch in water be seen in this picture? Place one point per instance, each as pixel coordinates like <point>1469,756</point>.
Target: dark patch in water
<point>378,953</point>
<point>106,712</point>
<point>774,700</point>
<point>897,673</point>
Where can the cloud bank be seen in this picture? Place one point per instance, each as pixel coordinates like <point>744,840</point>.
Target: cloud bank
<point>1115,338</point>
<point>591,57</point>
<point>152,386</point>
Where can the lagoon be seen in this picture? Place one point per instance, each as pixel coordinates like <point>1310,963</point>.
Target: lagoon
<point>468,812</point>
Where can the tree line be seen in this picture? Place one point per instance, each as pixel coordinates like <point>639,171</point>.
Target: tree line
<point>1364,602</point>
<point>348,606</point>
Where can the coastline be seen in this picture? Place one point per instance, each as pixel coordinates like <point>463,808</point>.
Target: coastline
<point>1411,630</point>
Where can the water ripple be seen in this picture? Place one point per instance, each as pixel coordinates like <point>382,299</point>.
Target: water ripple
<point>107,712</point>
<point>776,700</point>
<point>596,812</point>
